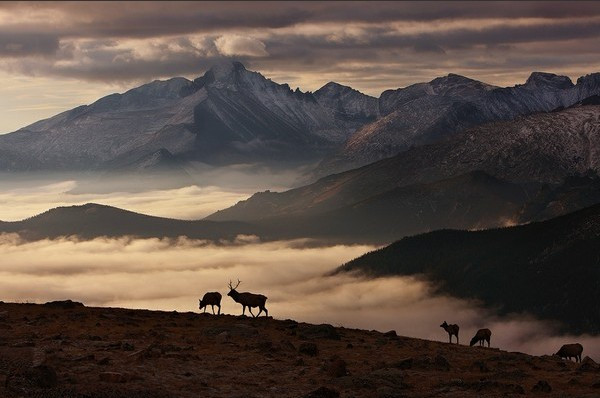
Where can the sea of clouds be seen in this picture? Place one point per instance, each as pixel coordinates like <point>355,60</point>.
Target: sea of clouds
<point>171,274</point>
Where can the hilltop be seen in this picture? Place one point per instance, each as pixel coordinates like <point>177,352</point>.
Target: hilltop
<point>64,349</point>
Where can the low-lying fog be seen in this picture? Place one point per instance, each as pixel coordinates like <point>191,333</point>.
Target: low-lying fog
<point>172,274</point>
<point>207,190</point>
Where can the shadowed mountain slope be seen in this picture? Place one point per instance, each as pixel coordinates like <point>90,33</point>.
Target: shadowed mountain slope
<point>486,172</point>
<point>93,220</point>
<point>549,269</point>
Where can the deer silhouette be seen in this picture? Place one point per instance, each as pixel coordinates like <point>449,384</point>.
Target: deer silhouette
<point>249,300</point>
<point>571,351</point>
<point>212,299</point>
<point>481,336</point>
<point>451,329</point>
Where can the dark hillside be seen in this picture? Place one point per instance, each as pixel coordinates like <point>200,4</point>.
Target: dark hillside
<point>550,269</point>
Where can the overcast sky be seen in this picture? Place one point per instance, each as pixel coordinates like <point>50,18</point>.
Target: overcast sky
<point>57,55</point>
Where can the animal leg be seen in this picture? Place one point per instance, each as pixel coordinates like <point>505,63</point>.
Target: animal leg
<point>457,339</point>
<point>244,310</point>
<point>204,310</point>
<point>219,313</point>
<point>450,338</point>
<point>489,342</point>
<point>250,309</point>
<point>259,312</point>
<point>266,311</point>
<point>213,308</point>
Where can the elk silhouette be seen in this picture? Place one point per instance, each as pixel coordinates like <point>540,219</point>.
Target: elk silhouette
<point>249,300</point>
<point>571,351</point>
<point>212,299</point>
<point>451,329</point>
<point>481,336</point>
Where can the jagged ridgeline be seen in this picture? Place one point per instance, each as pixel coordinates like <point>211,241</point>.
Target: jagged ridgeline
<point>548,269</point>
<point>231,115</point>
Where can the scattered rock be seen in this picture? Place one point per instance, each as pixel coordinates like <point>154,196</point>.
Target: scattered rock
<point>112,377</point>
<point>337,368</point>
<point>588,365</point>
<point>87,357</point>
<point>104,361</point>
<point>389,392</point>
<point>542,386</point>
<point>127,346</point>
<point>323,331</point>
<point>223,337</point>
<point>323,392</point>
<point>64,304</point>
<point>287,345</point>
<point>308,349</point>
<point>42,376</point>
<point>389,377</point>
<point>482,366</point>
<point>406,363</point>
<point>441,362</point>
<point>236,330</point>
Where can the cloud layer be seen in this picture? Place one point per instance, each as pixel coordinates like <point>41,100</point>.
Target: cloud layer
<point>171,274</point>
<point>353,42</point>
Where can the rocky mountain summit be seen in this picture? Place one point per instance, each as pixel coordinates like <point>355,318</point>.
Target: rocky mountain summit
<point>426,113</point>
<point>231,115</point>
<point>64,349</point>
<point>228,115</point>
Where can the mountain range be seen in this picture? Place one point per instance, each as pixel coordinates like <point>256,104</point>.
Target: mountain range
<point>429,112</point>
<point>232,115</point>
<point>495,174</point>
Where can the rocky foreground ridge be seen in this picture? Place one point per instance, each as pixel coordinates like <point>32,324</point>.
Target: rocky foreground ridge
<point>64,349</point>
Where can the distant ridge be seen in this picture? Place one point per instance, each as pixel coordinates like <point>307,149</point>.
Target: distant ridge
<point>94,220</point>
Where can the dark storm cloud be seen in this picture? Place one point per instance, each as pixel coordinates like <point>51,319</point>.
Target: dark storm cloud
<point>369,43</point>
<point>27,44</point>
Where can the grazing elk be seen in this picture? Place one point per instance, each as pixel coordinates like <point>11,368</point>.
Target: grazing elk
<point>571,351</point>
<point>451,329</point>
<point>212,299</point>
<point>481,336</point>
<point>249,300</point>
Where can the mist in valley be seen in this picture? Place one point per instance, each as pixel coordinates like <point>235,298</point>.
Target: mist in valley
<point>172,274</point>
<point>205,190</point>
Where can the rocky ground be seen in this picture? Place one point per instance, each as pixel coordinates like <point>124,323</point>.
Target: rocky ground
<point>64,349</point>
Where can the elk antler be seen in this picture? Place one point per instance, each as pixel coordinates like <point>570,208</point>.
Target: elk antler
<point>233,288</point>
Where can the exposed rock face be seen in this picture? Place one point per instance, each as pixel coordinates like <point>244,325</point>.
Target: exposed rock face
<point>429,112</point>
<point>232,115</point>
<point>228,115</point>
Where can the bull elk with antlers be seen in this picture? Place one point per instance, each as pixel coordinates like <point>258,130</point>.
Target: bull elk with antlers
<point>249,300</point>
